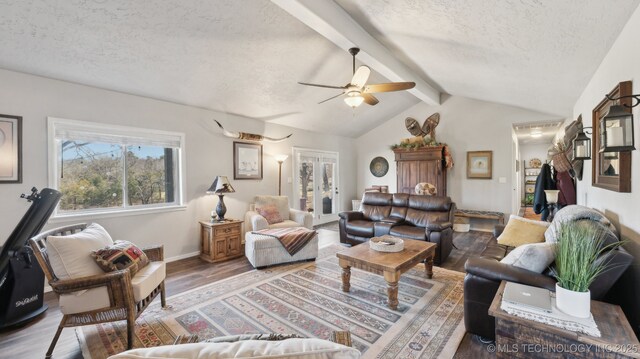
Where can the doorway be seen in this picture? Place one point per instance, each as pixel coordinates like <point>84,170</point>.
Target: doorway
<point>315,185</point>
<point>530,150</point>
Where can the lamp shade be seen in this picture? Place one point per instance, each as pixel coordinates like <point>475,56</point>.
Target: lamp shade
<point>281,158</point>
<point>581,147</point>
<point>616,130</point>
<point>552,195</point>
<point>220,185</point>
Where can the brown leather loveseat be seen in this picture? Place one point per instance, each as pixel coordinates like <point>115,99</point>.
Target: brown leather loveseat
<point>425,218</point>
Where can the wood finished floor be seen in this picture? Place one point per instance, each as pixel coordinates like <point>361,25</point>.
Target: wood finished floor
<point>33,340</point>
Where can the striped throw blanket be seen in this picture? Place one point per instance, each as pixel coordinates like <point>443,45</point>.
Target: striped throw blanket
<point>292,239</point>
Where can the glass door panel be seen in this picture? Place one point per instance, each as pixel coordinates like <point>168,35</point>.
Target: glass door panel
<point>305,183</point>
<point>316,184</point>
<point>329,188</point>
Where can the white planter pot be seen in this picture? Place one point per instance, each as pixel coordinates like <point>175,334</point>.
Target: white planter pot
<point>577,304</point>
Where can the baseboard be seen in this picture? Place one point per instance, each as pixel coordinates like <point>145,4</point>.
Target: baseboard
<point>182,256</point>
<point>47,288</point>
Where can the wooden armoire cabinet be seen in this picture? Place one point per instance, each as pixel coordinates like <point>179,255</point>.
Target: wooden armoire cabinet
<point>421,165</point>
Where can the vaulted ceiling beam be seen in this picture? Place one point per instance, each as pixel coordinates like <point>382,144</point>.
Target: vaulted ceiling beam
<point>333,22</point>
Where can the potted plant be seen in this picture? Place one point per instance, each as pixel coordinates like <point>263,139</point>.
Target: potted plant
<point>576,266</point>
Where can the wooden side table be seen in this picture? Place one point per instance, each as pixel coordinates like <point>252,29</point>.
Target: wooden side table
<point>220,241</point>
<point>522,338</point>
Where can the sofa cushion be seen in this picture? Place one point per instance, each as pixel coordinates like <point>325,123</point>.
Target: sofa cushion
<point>520,231</point>
<point>280,202</point>
<point>495,251</point>
<point>430,203</point>
<point>84,300</point>
<point>422,218</point>
<point>400,200</point>
<point>535,257</point>
<point>360,228</point>
<point>307,348</point>
<point>70,255</point>
<point>410,232</point>
<point>285,224</point>
<point>120,255</point>
<point>147,279</point>
<point>376,206</point>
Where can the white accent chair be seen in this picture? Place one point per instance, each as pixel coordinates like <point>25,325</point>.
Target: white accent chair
<point>253,221</point>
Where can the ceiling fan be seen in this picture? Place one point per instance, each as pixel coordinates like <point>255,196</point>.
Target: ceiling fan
<point>357,91</point>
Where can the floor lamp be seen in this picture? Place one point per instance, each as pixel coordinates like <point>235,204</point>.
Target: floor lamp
<point>280,159</point>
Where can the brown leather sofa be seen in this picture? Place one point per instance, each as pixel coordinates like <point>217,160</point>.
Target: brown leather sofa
<point>484,274</point>
<point>425,218</point>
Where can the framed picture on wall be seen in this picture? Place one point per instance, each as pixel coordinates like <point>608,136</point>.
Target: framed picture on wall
<point>480,164</point>
<point>247,160</point>
<point>10,149</point>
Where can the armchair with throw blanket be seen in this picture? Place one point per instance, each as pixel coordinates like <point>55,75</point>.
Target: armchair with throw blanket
<point>274,212</point>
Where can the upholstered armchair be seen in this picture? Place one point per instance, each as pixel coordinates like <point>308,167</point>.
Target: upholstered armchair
<point>102,296</point>
<point>290,217</point>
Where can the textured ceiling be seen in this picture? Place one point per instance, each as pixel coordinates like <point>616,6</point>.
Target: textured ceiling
<point>245,57</point>
<point>238,57</point>
<point>536,54</point>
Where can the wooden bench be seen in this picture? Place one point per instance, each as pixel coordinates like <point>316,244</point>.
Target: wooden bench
<point>470,213</point>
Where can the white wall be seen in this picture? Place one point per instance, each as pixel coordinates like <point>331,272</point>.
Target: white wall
<point>465,125</point>
<point>622,63</point>
<point>208,154</point>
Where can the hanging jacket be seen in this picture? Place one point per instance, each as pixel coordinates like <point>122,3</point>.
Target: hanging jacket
<point>567,189</point>
<point>544,181</point>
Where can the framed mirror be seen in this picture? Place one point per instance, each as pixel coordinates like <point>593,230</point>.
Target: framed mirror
<point>610,170</point>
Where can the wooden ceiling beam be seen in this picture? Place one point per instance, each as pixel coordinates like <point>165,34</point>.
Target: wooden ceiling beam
<point>333,22</point>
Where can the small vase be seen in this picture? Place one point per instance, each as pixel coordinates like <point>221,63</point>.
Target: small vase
<point>577,304</point>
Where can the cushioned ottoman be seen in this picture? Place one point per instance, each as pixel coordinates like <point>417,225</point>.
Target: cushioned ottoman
<point>265,251</point>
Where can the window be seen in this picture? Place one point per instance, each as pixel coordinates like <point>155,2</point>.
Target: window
<point>102,168</point>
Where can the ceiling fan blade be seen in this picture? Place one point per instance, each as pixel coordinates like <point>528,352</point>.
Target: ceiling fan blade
<point>330,98</point>
<point>324,86</point>
<point>361,76</point>
<point>369,99</point>
<point>389,87</point>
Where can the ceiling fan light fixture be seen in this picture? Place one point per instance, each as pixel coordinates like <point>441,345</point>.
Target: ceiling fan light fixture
<point>354,101</point>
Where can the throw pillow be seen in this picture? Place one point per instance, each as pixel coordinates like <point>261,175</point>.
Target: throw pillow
<point>271,214</point>
<point>70,255</point>
<point>120,255</point>
<point>534,257</point>
<point>280,202</point>
<point>521,231</point>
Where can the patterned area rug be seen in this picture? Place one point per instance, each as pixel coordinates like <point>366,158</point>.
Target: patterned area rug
<point>305,299</point>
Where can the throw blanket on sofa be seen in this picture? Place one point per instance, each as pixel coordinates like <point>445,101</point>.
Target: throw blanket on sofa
<point>292,239</point>
<point>574,213</point>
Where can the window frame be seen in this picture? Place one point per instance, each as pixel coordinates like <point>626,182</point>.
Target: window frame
<point>109,129</point>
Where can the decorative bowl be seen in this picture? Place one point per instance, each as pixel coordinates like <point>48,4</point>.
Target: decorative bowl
<point>386,243</point>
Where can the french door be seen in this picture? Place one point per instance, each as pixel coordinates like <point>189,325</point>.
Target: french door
<point>315,185</point>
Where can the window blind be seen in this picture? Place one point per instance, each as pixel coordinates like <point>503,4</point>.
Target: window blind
<point>129,136</point>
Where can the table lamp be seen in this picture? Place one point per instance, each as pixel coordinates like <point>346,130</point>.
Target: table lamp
<point>221,186</point>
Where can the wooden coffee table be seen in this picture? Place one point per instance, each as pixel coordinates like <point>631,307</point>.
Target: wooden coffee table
<point>389,265</point>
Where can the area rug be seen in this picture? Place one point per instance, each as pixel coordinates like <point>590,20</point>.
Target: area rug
<point>306,299</point>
